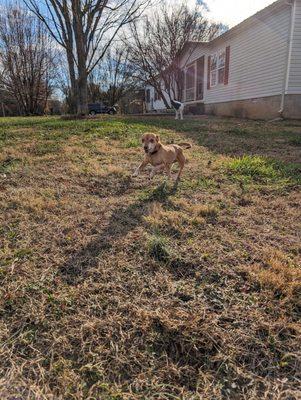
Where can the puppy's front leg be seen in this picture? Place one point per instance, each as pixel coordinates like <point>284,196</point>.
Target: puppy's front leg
<point>156,169</point>
<point>141,167</point>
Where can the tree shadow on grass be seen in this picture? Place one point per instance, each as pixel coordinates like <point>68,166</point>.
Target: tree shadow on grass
<point>122,221</point>
<point>233,137</point>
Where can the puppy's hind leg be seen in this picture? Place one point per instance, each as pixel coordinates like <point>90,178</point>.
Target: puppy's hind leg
<point>181,111</point>
<point>177,115</point>
<point>181,160</point>
<point>168,170</point>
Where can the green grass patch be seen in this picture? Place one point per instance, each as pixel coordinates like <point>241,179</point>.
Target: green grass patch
<point>161,193</point>
<point>295,141</point>
<point>47,147</point>
<point>237,131</point>
<point>133,142</point>
<point>199,182</point>
<point>158,248</point>
<point>3,136</point>
<point>8,164</point>
<point>262,170</point>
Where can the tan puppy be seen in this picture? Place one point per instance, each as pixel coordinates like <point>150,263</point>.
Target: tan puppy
<point>160,156</point>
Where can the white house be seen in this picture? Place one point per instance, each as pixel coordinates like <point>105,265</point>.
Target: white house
<point>253,70</point>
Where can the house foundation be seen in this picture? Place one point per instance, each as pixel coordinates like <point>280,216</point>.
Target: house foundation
<point>259,108</point>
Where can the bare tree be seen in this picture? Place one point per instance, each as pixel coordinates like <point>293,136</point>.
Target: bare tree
<point>85,29</point>
<point>26,60</point>
<point>111,80</point>
<point>158,41</point>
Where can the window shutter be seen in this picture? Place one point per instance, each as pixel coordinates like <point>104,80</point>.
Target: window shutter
<point>208,73</point>
<point>227,64</point>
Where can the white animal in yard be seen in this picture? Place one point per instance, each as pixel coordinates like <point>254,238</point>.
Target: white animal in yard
<point>179,108</point>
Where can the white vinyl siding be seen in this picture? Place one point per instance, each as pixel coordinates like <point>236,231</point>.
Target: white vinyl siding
<point>294,86</point>
<point>258,56</point>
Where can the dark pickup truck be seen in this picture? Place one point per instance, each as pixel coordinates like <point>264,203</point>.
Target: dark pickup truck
<point>98,108</point>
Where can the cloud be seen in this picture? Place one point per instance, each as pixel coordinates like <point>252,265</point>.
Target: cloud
<point>232,12</point>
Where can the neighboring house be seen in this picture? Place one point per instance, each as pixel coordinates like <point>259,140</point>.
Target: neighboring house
<point>253,70</point>
<point>153,101</point>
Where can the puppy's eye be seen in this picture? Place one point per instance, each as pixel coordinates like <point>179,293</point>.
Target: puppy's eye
<point>152,140</point>
<point>142,140</point>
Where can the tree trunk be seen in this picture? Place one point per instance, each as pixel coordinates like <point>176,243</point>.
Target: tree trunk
<point>82,94</point>
<point>73,83</point>
<point>159,90</point>
<point>164,99</point>
<point>81,50</point>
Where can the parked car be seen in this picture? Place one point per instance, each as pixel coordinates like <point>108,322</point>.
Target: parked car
<point>98,108</point>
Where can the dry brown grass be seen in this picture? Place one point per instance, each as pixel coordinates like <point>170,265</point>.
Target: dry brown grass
<point>117,288</point>
<point>279,275</point>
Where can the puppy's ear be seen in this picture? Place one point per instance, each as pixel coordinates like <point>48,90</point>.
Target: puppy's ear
<point>158,138</point>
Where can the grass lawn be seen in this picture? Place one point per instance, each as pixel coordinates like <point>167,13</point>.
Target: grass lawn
<point>114,287</point>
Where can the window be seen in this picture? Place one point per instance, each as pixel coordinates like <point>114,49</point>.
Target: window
<point>157,96</point>
<point>217,68</point>
<point>200,78</point>
<point>213,70</point>
<point>221,67</point>
<point>190,83</point>
<point>148,95</point>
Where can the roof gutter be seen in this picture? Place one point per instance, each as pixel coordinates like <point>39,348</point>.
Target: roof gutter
<point>292,3</point>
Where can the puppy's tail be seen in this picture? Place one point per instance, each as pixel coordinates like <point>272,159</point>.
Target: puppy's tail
<point>185,145</point>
